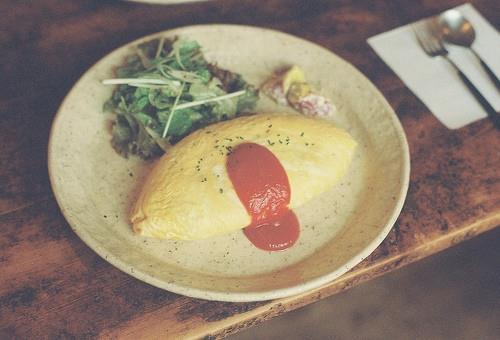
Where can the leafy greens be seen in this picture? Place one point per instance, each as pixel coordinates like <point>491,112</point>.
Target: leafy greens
<point>167,90</point>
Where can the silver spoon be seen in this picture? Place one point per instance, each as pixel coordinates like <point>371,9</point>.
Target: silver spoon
<point>456,29</point>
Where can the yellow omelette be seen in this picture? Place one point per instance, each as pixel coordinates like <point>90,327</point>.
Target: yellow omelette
<point>188,194</point>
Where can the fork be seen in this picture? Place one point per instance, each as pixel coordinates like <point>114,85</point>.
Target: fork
<point>426,34</point>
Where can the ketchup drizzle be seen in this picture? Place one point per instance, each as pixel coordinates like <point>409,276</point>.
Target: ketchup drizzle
<point>262,186</point>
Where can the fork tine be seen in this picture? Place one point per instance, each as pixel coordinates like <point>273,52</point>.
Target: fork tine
<point>428,40</point>
<point>422,39</point>
<point>435,31</point>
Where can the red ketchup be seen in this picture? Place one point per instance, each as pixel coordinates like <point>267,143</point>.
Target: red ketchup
<point>262,186</point>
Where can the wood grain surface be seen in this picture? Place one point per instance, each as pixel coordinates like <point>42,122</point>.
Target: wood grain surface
<point>53,286</point>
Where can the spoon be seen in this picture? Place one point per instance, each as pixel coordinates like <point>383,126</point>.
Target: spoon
<point>457,30</point>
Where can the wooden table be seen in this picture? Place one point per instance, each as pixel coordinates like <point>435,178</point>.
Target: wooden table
<point>53,286</point>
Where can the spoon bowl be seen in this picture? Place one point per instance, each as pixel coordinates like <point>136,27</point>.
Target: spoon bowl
<point>456,29</point>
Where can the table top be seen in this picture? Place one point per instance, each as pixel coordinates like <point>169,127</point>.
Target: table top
<point>53,285</point>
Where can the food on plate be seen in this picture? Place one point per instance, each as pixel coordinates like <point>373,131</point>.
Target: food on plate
<point>245,172</point>
<point>165,91</point>
<point>290,87</point>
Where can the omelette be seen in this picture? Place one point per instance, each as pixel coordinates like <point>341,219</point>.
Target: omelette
<point>189,196</point>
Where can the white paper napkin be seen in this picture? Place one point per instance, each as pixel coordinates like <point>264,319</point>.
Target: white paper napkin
<point>434,81</point>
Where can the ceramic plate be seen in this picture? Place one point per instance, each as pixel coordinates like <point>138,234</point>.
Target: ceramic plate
<point>94,186</point>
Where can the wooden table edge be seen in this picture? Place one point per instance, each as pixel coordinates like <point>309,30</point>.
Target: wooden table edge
<point>151,325</point>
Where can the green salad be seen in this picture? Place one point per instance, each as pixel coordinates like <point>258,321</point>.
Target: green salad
<point>165,91</point>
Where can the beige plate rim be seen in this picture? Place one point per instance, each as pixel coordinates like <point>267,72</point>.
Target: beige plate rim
<point>238,296</point>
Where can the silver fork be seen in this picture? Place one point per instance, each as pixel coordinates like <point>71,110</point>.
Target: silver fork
<point>428,38</point>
